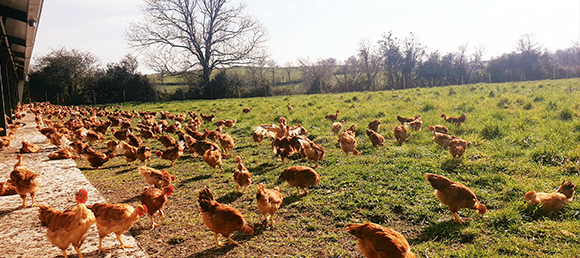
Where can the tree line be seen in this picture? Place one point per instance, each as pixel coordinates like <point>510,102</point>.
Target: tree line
<point>218,51</point>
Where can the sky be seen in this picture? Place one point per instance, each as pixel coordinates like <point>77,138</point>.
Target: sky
<point>330,28</point>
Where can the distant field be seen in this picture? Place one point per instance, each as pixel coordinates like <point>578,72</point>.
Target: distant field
<point>523,136</point>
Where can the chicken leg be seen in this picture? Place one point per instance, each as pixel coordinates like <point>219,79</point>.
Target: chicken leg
<point>78,251</point>
<point>232,241</point>
<point>123,245</point>
<point>32,196</point>
<point>153,224</point>
<point>23,201</point>
<point>217,242</point>
<point>457,218</point>
<point>101,245</point>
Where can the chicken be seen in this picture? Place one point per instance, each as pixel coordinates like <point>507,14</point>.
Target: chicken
<point>129,151</point>
<point>95,158</point>
<point>242,176</point>
<point>227,123</point>
<point>375,138</point>
<point>133,140</point>
<point>455,120</point>
<point>374,125</point>
<point>5,140</point>
<point>439,128</point>
<point>220,218</point>
<point>376,241</point>
<point>312,151</point>
<point>348,143</point>
<point>146,134</point>
<point>158,178</point>
<point>167,141</point>
<point>400,133</point>
<point>332,117</point>
<point>173,128</point>
<point>172,153</point>
<point>269,201</point>
<point>79,147</point>
<point>200,147</point>
<point>112,146</point>
<point>300,177</point>
<point>207,118</point>
<point>155,199</point>
<point>290,107</point>
<point>61,154</point>
<point>404,120</point>
<point>91,136</point>
<point>70,226</point>
<point>29,147</point>
<point>415,125</point>
<point>455,195</point>
<point>246,110</point>
<point>120,135</point>
<point>213,158</point>
<point>457,147</point>
<point>115,218</point>
<point>337,127</point>
<point>443,140</point>
<point>144,154</point>
<point>227,142</point>
<point>7,188</point>
<point>258,135</point>
<point>25,181</point>
<point>213,135</point>
<point>553,202</point>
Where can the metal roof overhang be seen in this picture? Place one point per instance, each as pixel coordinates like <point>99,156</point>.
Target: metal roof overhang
<point>18,27</point>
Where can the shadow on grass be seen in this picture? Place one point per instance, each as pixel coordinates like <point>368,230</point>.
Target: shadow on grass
<point>194,179</point>
<point>214,252</point>
<point>239,237</point>
<point>130,168</point>
<point>446,230</point>
<point>229,197</point>
<point>451,165</point>
<point>264,168</point>
<point>291,199</point>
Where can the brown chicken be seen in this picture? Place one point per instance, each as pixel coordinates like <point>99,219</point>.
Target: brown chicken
<point>227,123</point>
<point>375,138</point>
<point>207,118</point>
<point>300,177</point>
<point>155,199</point>
<point>375,241</point>
<point>258,135</point>
<point>337,127</point>
<point>242,176</point>
<point>415,125</point>
<point>133,140</point>
<point>70,226</point>
<point>269,201</point>
<point>439,128</point>
<point>455,195</point>
<point>5,140</point>
<point>553,202</point>
<point>61,154</point>
<point>443,140</point>
<point>227,142</point>
<point>7,188</point>
<point>457,147</point>
<point>79,147</point>
<point>29,147</point>
<point>400,133</point>
<point>120,135</point>
<point>25,181</point>
<point>332,117</point>
<point>404,120</point>
<point>112,146</point>
<point>146,134</point>
<point>129,151</point>
<point>312,151</point>
<point>158,178</point>
<point>95,158</point>
<point>213,158</point>
<point>247,110</point>
<point>220,218</point>
<point>115,218</point>
<point>374,125</point>
<point>348,143</point>
<point>167,141</point>
<point>91,136</point>
<point>455,120</point>
<point>144,154</point>
<point>290,107</point>
<point>172,153</point>
<point>213,135</point>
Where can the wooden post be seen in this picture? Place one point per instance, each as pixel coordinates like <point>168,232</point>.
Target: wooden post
<point>124,97</point>
<point>431,81</point>
<point>183,92</point>
<point>95,98</point>
<point>554,74</point>
<point>45,97</point>
<point>489,77</point>
<point>461,79</point>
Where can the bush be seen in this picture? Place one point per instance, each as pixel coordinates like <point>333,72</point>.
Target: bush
<point>490,132</point>
<point>566,115</point>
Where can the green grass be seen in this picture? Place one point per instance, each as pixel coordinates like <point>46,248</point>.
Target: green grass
<point>525,136</point>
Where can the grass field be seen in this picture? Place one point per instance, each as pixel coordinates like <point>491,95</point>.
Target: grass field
<point>523,136</point>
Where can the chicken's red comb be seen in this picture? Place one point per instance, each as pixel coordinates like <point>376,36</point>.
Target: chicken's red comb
<point>84,192</point>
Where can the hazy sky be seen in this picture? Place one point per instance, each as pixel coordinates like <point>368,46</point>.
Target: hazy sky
<point>331,28</point>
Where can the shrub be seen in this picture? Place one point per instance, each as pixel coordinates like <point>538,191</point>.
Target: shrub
<point>566,114</point>
<point>490,132</point>
<point>548,158</point>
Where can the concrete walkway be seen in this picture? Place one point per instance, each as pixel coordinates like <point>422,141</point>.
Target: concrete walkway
<point>21,234</point>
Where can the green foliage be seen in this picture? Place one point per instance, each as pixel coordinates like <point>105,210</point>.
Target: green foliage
<point>490,131</point>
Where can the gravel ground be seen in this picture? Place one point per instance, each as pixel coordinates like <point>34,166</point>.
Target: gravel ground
<point>20,229</point>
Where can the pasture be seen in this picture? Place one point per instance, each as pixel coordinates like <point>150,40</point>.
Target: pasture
<point>523,136</point>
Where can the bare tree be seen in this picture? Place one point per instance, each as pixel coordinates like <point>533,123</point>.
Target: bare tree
<point>209,34</point>
<point>161,61</point>
<point>370,63</point>
<point>317,75</point>
<point>527,43</point>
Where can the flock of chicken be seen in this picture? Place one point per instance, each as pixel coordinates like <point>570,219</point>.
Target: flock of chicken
<point>84,126</point>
